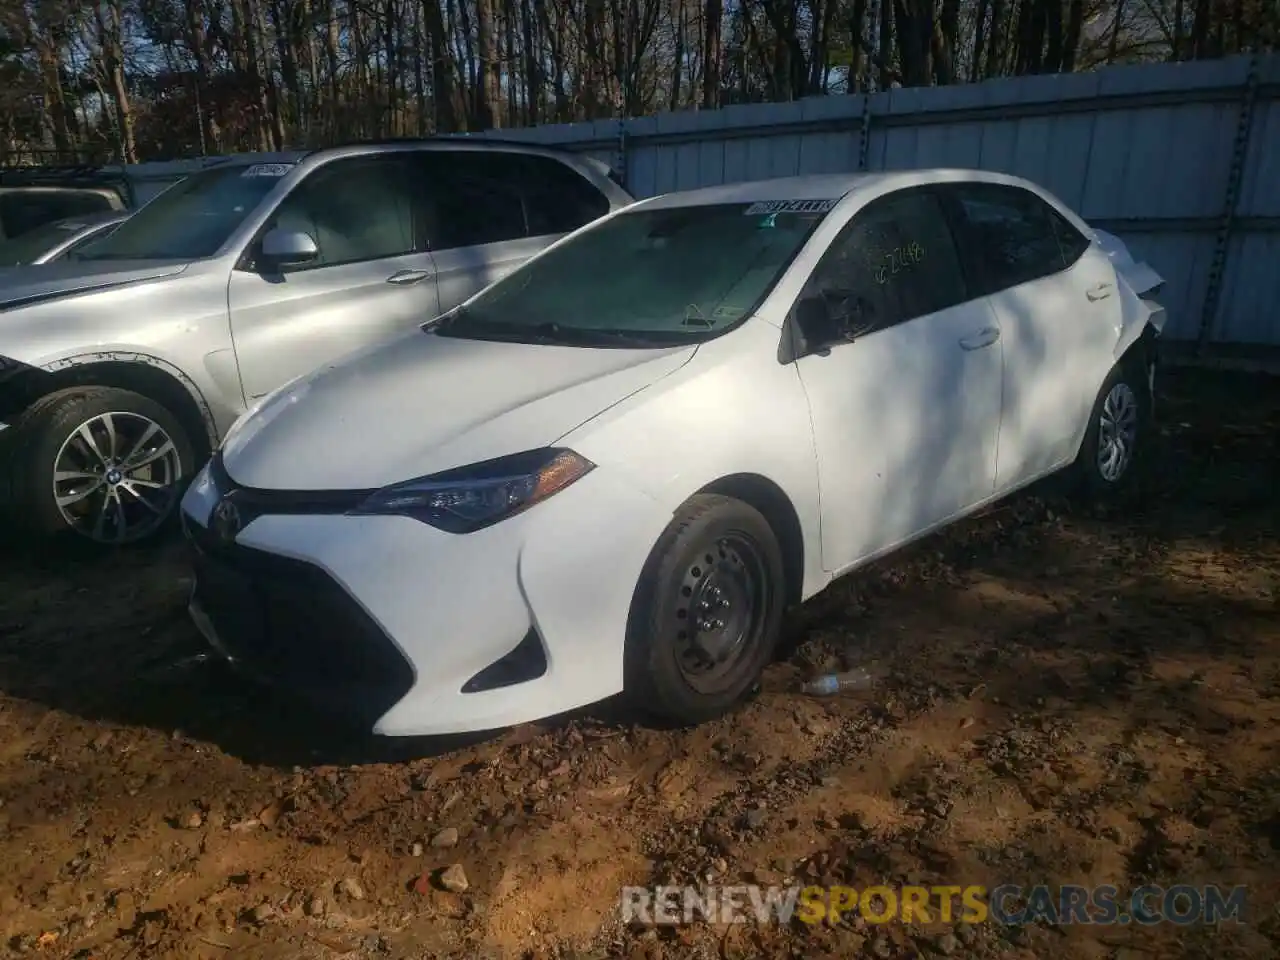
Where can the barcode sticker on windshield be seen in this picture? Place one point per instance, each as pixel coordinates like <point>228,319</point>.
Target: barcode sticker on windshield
<point>790,206</point>
<point>267,170</point>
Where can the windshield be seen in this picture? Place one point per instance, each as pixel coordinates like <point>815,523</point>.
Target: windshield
<point>192,219</point>
<point>646,278</point>
<point>27,247</point>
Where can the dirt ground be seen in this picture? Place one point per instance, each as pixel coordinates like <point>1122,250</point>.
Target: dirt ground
<point>1063,696</point>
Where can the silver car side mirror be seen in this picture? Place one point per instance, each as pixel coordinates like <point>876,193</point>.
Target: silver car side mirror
<point>288,248</point>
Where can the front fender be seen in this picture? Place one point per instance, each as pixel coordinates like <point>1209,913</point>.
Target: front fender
<point>732,410</point>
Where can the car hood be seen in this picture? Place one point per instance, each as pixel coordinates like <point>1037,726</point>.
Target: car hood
<point>425,403</point>
<point>26,285</point>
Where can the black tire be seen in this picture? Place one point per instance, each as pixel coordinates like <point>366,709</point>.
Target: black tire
<point>1127,381</point>
<point>49,424</point>
<point>746,569</point>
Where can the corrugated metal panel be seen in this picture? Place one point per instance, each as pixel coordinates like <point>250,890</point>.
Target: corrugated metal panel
<point>1149,146</point>
<point>1248,312</point>
<point>1260,191</point>
<point>1183,260</point>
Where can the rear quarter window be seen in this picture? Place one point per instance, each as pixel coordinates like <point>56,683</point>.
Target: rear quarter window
<point>557,198</point>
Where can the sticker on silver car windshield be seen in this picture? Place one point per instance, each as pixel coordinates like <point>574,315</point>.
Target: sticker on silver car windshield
<point>790,206</point>
<point>267,170</point>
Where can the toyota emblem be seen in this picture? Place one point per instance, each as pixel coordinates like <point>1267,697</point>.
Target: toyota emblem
<point>226,520</point>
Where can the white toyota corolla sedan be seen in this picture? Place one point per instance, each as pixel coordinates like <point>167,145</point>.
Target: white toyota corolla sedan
<point>616,467</point>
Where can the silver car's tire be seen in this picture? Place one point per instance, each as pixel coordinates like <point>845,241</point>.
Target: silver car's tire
<point>98,464</point>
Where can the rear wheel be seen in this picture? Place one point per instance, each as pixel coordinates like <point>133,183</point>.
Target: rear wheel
<point>1114,443</point>
<point>98,464</point>
<point>707,611</point>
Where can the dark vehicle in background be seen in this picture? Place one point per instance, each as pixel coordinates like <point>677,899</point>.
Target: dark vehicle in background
<point>59,240</point>
<point>34,196</point>
<point>31,197</point>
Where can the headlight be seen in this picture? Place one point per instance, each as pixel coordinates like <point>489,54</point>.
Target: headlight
<point>471,498</point>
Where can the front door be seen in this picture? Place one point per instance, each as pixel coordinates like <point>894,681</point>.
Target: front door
<point>373,277</point>
<point>907,412</point>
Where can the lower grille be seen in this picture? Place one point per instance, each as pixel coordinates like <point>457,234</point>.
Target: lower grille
<point>289,622</point>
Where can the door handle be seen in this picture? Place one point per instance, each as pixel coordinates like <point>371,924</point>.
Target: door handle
<point>983,338</point>
<point>1100,292</point>
<point>406,277</point>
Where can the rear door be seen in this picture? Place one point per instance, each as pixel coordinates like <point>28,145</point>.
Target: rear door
<point>1053,291</point>
<point>373,277</point>
<point>488,211</point>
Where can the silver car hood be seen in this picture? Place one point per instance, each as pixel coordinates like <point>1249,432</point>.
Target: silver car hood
<point>25,285</point>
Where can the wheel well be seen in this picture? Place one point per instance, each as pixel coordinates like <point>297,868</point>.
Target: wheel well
<point>1144,349</point>
<point>19,392</point>
<point>776,507</point>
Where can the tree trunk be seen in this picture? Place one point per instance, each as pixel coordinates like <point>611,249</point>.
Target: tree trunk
<point>979,37</point>
<point>485,76</point>
<point>915,32</point>
<point>886,43</point>
<point>677,61</point>
<point>1071,37</point>
<point>198,41</point>
<point>532,67</point>
<point>857,26</point>
<point>109,18</point>
<point>443,91</point>
<point>332,47</point>
<point>944,43</point>
<point>1114,41</point>
<point>711,54</point>
<point>995,50</point>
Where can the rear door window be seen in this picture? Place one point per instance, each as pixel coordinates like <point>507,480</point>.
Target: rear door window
<point>473,197</point>
<point>558,199</point>
<point>1012,237</point>
<point>469,199</point>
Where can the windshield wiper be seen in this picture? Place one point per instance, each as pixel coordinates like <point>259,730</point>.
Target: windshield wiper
<point>636,338</point>
<point>461,324</point>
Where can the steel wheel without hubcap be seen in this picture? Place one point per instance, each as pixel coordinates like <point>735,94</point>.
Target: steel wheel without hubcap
<point>1117,432</point>
<point>720,613</point>
<point>115,478</point>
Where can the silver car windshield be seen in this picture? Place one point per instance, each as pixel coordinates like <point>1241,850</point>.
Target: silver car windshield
<point>646,277</point>
<point>190,220</point>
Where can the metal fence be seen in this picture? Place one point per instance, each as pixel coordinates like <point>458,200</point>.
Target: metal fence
<point>1181,160</point>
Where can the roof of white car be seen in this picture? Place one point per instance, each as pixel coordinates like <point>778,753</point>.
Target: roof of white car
<point>827,186</point>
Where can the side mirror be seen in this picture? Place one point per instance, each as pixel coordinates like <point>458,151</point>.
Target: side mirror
<point>288,248</point>
<point>817,326</point>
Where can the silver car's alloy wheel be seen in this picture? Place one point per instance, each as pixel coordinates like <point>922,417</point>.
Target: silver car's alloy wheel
<point>115,478</point>
<point>1117,432</point>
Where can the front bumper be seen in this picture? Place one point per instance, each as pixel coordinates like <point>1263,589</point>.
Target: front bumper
<point>415,631</point>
